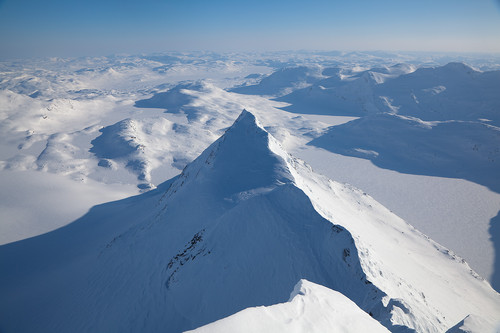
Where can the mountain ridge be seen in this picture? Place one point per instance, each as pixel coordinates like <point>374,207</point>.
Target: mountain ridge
<point>239,227</point>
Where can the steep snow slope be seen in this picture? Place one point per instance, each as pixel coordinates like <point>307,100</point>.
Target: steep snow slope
<point>238,228</point>
<point>456,213</point>
<point>311,308</point>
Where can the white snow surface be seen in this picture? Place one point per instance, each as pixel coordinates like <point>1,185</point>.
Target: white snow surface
<point>32,203</point>
<point>419,137</point>
<point>238,228</point>
<point>311,308</point>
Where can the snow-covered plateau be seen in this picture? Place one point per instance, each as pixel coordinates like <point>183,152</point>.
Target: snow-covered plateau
<point>169,192</point>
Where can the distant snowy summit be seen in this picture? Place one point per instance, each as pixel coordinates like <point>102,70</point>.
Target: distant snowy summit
<point>454,91</point>
<point>238,228</point>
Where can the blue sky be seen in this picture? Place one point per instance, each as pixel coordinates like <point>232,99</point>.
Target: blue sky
<point>101,27</point>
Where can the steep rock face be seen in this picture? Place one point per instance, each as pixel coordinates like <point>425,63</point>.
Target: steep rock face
<point>237,228</point>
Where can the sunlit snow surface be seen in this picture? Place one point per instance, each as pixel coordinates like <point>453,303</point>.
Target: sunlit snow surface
<point>237,228</point>
<point>78,132</point>
<point>311,308</point>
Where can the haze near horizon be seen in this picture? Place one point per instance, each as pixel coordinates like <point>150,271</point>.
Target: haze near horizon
<point>30,28</point>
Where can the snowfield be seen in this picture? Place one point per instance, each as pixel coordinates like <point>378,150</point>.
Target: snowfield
<point>214,216</point>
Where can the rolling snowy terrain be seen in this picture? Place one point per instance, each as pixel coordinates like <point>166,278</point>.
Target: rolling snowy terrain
<point>263,220</point>
<point>417,132</point>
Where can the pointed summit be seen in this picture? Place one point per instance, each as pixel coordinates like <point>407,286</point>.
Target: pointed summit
<point>245,158</point>
<point>238,228</point>
<point>246,117</point>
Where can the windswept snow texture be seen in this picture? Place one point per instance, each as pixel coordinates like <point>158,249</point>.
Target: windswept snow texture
<point>311,309</point>
<point>236,229</point>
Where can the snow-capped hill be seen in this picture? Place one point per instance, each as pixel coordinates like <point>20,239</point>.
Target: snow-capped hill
<point>453,70</point>
<point>395,70</point>
<point>170,100</point>
<point>455,91</point>
<point>336,96</point>
<point>200,101</point>
<point>311,308</point>
<point>238,228</point>
<point>458,68</point>
<point>124,142</point>
<point>332,72</point>
<point>451,92</point>
<point>283,81</point>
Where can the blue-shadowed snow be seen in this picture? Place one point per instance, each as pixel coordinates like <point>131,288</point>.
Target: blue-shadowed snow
<point>238,228</point>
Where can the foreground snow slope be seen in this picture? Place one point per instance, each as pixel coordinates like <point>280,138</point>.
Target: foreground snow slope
<point>238,228</point>
<point>311,308</point>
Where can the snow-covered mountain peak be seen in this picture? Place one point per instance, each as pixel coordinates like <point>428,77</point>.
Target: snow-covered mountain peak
<point>246,158</point>
<point>458,67</point>
<point>453,72</point>
<point>246,169</point>
<point>247,121</point>
<point>238,228</point>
